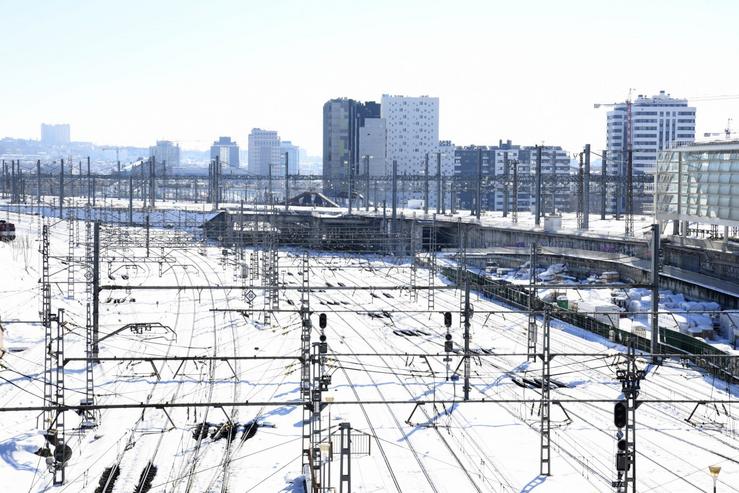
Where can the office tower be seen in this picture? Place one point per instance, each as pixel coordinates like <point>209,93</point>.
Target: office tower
<point>264,152</point>
<point>227,151</point>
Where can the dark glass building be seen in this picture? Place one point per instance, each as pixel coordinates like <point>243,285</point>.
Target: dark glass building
<point>342,119</point>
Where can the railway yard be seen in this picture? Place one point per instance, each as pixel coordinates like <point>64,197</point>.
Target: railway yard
<point>245,368</point>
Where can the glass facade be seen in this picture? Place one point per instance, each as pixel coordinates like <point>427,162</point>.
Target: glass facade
<point>699,183</point>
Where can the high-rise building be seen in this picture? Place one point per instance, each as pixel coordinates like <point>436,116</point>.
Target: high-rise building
<point>55,134</point>
<point>555,172</point>
<point>264,153</point>
<point>293,156</point>
<point>342,119</point>
<point>165,153</point>
<point>372,147</point>
<point>227,151</point>
<point>658,122</point>
<point>412,125</point>
<point>494,159</point>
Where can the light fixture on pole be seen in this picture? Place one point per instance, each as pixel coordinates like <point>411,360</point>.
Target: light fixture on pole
<point>714,470</point>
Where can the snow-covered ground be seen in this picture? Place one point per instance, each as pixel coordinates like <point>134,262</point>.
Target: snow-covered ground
<point>628,308</point>
<point>450,447</point>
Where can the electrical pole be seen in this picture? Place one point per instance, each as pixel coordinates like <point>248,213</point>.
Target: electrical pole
<point>394,198</point>
<point>532,328</point>
<point>467,317</point>
<point>624,417</point>
<point>367,184</point>
<point>351,181</point>
<point>287,181</point>
<point>426,184</point>
<point>478,185</point>
<point>629,222</point>
<point>96,288</point>
<point>537,200</point>
<point>506,176</point>
<point>545,464</point>
<point>603,187</point>
<point>439,192</point>
<point>61,190</point>
<point>656,253</point>
<point>345,458</point>
<point>586,189</point>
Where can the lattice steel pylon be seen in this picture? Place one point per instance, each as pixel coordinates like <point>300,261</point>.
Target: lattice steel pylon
<point>305,364</point>
<point>267,291</point>
<point>46,322</point>
<point>514,202</point>
<point>70,256</point>
<point>57,430</point>
<point>432,264</point>
<point>546,403</point>
<point>89,417</point>
<point>532,327</point>
<point>630,379</point>
<point>629,217</point>
<point>581,194</point>
<point>413,292</point>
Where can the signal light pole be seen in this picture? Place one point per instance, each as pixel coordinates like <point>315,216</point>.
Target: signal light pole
<point>624,417</point>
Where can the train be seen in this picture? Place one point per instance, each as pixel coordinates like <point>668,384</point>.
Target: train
<point>7,231</point>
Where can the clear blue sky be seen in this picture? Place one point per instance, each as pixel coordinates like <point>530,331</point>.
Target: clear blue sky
<point>130,72</point>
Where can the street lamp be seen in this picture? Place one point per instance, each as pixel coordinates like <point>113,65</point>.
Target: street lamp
<point>714,470</point>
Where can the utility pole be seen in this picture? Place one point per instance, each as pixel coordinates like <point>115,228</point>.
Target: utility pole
<point>656,253</point>
<point>287,181</point>
<point>61,189</point>
<point>545,464</point>
<point>478,185</point>
<point>603,187</point>
<point>537,203</point>
<point>629,222</point>
<point>580,192</point>
<point>467,316</point>
<point>96,288</point>
<point>514,202</point>
<point>426,184</point>
<point>439,189</point>
<point>624,417</point>
<point>89,182</point>
<point>394,198</point>
<point>38,185</point>
<point>506,176</point>
<point>367,184</point>
<point>130,199</point>
<point>351,181</point>
<point>586,189</point>
<point>532,329</point>
<point>345,458</point>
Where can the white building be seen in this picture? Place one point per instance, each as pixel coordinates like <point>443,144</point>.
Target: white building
<point>658,122</point>
<point>264,151</point>
<point>55,134</point>
<point>412,130</point>
<point>165,153</point>
<point>293,156</point>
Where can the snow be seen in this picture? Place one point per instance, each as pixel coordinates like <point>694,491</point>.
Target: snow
<point>446,448</point>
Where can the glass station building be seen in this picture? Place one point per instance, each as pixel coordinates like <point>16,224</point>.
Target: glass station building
<point>697,185</point>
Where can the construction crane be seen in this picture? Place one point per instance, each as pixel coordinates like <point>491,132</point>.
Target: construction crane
<point>111,148</point>
<point>629,213</point>
<point>726,133</point>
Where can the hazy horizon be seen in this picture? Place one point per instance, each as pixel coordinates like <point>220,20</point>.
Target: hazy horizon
<point>133,73</point>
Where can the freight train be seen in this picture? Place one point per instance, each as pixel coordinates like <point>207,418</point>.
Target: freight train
<point>7,231</point>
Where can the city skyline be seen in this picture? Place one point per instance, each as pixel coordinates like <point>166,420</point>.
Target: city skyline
<point>161,82</point>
